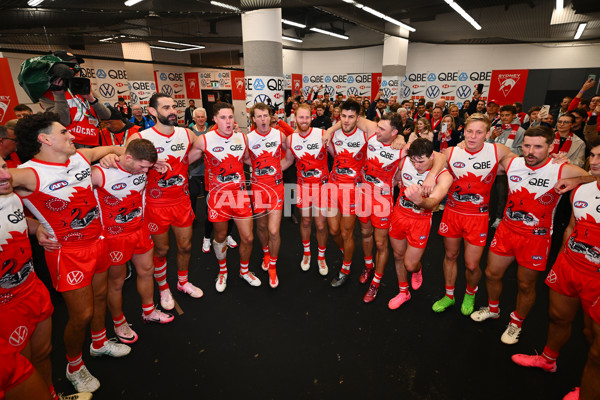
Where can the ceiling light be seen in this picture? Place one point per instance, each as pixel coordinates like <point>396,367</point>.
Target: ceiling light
<point>580,30</point>
<point>109,39</point>
<point>223,5</point>
<point>324,32</point>
<point>292,23</point>
<point>388,19</point>
<point>189,46</point>
<point>130,3</point>
<point>560,4</point>
<point>34,3</point>
<point>292,39</point>
<point>463,14</point>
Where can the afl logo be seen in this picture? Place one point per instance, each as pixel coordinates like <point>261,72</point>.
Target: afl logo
<point>371,147</point>
<point>159,150</point>
<point>218,149</point>
<point>406,176</point>
<point>256,146</point>
<point>298,147</point>
<point>459,164</point>
<point>580,204</point>
<point>119,186</point>
<point>338,143</point>
<point>515,178</point>
<point>537,257</point>
<point>58,185</point>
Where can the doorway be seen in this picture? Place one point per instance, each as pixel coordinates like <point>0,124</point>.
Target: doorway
<point>210,97</point>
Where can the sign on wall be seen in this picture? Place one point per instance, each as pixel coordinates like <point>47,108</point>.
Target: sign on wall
<point>508,86</point>
<point>238,90</point>
<point>265,89</point>
<point>192,85</point>
<point>8,95</point>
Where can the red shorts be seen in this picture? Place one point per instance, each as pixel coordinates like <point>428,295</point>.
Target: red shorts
<point>14,369</point>
<point>21,315</point>
<point>414,229</point>
<point>226,204</point>
<point>376,208</point>
<point>342,196</point>
<point>267,198</point>
<point>473,228</point>
<point>531,251</point>
<point>72,267</point>
<point>122,247</point>
<point>160,218</point>
<point>315,195</point>
<point>568,279</point>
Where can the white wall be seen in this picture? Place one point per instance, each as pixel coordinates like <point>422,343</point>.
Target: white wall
<point>424,57</point>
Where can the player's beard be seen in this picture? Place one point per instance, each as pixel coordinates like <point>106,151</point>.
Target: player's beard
<point>167,120</point>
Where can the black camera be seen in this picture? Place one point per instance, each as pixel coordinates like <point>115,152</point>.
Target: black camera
<point>66,73</point>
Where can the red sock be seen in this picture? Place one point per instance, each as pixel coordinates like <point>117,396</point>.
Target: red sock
<point>306,245</point>
<point>98,339</point>
<point>222,266</point>
<point>321,253</point>
<point>403,287</point>
<point>160,272</point>
<point>272,263</point>
<point>53,392</point>
<point>516,319</point>
<point>244,267</point>
<point>147,309</point>
<point>346,267</point>
<point>550,355</point>
<point>450,291</point>
<point>265,251</point>
<point>494,306</point>
<point>369,262</point>
<point>120,320</point>
<point>182,277</point>
<point>74,363</point>
<point>342,250</point>
<point>377,279</point>
<point>471,291</point>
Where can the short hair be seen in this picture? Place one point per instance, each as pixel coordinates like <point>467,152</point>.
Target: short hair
<point>534,109</point>
<point>421,147</point>
<point>595,142</point>
<point>429,104</point>
<point>518,105</point>
<point>142,149</point>
<point>404,102</point>
<point>221,105</point>
<point>350,105</point>
<point>510,108</point>
<point>154,99</point>
<point>260,106</point>
<point>303,106</point>
<point>569,115</point>
<point>394,118</point>
<point>440,108</point>
<point>3,132</point>
<point>420,104</point>
<point>475,117</point>
<point>395,107</point>
<point>28,129</point>
<point>191,101</point>
<point>198,111</point>
<point>22,107</point>
<point>320,105</point>
<point>584,102</point>
<point>120,98</point>
<point>582,113</point>
<point>541,131</point>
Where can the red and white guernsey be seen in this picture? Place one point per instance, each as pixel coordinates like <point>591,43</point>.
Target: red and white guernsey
<point>16,266</point>
<point>584,243</point>
<point>224,160</point>
<point>121,200</point>
<point>410,176</point>
<point>265,154</point>
<point>474,175</point>
<point>171,187</point>
<point>63,200</point>
<point>381,166</point>
<point>350,153</point>
<point>531,197</point>
<point>311,157</point>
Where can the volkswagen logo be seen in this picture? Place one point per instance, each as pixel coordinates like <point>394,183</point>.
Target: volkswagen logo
<point>463,92</point>
<point>133,97</point>
<point>107,90</point>
<point>167,89</point>
<point>18,336</point>
<point>406,91</point>
<point>262,98</point>
<point>432,92</point>
<point>74,278</point>
<point>352,91</point>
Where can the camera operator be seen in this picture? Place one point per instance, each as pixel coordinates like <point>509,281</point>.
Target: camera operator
<point>79,113</point>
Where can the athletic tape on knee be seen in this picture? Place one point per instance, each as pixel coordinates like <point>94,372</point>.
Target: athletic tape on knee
<point>220,250</point>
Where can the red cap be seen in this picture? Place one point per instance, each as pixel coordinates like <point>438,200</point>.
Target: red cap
<point>493,101</point>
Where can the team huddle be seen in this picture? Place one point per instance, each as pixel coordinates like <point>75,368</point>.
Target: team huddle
<point>95,209</point>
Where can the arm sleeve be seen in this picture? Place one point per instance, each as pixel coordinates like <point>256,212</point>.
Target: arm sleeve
<point>100,109</point>
<point>574,104</point>
<point>58,106</point>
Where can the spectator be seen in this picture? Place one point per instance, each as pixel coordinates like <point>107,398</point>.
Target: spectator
<point>123,108</point>
<point>116,129</point>
<point>339,99</point>
<point>562,109</point>
<point>335,115</point>
<point>199,126</point>
<point>143,121</point>
<point>189,113</point>
<point>590,83</point>
<point>22,110</point>
<point>321,121</point>
<point>423,130</point>
<point>533,117</point>
<point>422,113</point>
<point>508,131</point>
<point>492,111</point>
<point>567,142</point>
<point>8,144</point>
<point>463,110</point>
<point>520,114</point>
<point>458,121</point>
<point>581,117</point>
<point>408,126</point>
<point>452,136</point>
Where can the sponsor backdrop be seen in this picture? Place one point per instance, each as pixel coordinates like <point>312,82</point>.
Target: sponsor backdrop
<point>140,93</point>
<point>170,82</point>
<point>265,89</point>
